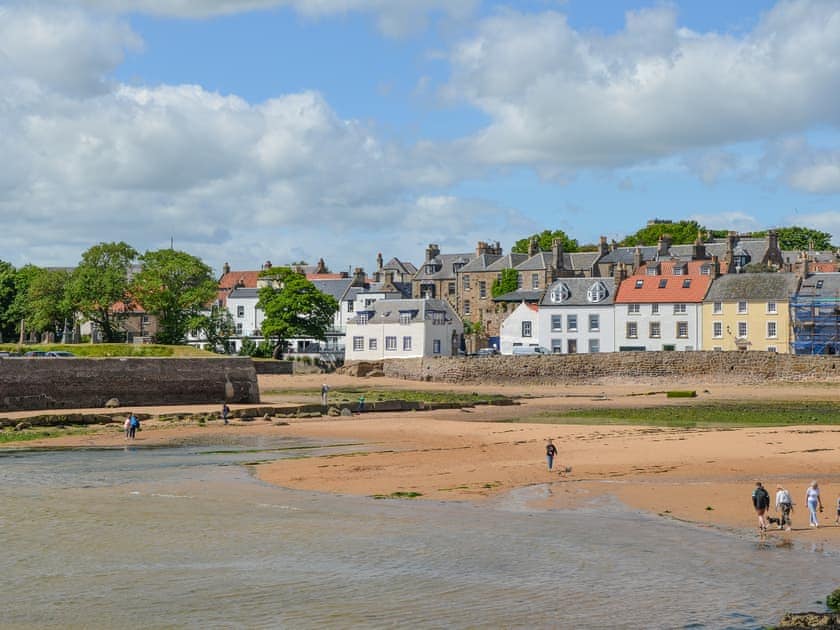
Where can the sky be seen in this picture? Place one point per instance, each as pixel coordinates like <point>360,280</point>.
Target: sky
<point>245,131</point>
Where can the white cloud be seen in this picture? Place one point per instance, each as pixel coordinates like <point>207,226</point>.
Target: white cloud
<point>732,220</point>
<point>576,99</point>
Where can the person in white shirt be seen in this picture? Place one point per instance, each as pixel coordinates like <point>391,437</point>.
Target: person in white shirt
<point>812,496</point>
<point>783,505</point>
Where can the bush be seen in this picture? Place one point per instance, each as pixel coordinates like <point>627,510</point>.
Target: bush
<point>681,394</point>
<point>833,600</point>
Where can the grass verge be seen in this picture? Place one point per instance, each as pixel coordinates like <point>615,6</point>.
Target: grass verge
<point>351,395</point>
<point>8,436</point>
<point>101,350</point>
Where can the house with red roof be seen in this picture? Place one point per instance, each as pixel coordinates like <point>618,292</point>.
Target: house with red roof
<point>660,306</point>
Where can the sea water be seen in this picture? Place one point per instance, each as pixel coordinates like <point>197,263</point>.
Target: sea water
<point>187,538</point>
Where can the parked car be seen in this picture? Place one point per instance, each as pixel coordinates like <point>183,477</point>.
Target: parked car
<point>530,350</point>
<point>62,354</point>
<point>35,353</point>
<point>487,352</point>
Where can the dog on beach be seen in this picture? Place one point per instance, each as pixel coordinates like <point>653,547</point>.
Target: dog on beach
<point>773,520</point>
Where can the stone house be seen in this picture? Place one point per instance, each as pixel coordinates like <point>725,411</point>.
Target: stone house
<point>436,276</point>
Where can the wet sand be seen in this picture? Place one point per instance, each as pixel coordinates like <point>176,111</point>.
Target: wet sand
<point>700,475</point>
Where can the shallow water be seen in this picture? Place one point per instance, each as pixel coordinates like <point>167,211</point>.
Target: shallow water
<point>162,538</point>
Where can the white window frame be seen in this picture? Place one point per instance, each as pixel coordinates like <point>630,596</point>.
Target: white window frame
<point>631,330</point>
<point>594,346</point>
<point>717,330</point>
<point>556,323</point>
<point>571,323</point>
<point>654,309</point>
<point>406,345</point>
<point>634,309</point>
<point>594,322</point>
<point>527,328</point>
<point>772,330</point>
<point>391,343</point>
<point>240,310</point>
<point>742,307</point>
<point>358,343</point>
<point>372,343</point>
<point>680,327</point>
<point>435,346</point>
<point>655,330</point>
<point>680,309</point>
<point>743,330</point>
<point>772,308</point>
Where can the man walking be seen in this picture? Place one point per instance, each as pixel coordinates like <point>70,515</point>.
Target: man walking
<point>761,501</point>
<point>225,412</point>
<point>783,505</point>
<point>324,389</point>
<point>550,454</point>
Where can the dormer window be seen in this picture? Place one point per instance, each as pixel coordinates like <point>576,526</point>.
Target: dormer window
<point>560,293</point>
<point>653,270</point>
<point>640,284</point>
<point>405,317</point>
<point>679,270</point>
<point>597,292</point>
<point>706,270</point>
<point>361,319</point>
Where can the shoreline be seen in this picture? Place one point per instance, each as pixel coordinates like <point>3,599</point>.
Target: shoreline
<point>703,476</point>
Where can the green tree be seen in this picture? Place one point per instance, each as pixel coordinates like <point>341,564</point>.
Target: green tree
<point>48,308</point>
<point>293,307</point>
<point>19,308</point>
<point>508,282</point>
<point>681,232</point>
<point>799,238</point>
<point>8,321</point>
<point>545,240</point>
<point>99,283</point>
<point>217,326</point>
<point>175,287</point>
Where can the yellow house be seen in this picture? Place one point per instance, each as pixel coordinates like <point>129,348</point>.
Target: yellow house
<point>748,311</point>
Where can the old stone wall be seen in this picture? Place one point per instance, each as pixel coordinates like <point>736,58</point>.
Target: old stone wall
<point>722,367</point>
<point>52,383</point>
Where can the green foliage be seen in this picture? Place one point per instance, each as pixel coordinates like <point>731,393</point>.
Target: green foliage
<point>681,394</point>
<point>681,232</point>
<point>100,283</point>
<point>250,348</point>
<point>508,282</point>
<point>473,328</point>
<point>217,326</point>
<point>799,238</point>
<point>174,286</point>
<point>294,307</point>
<point>833,600</point>
<point>545,240</point>
<point>8,321</point>
<point>100,350</point>
<point>48,308</point>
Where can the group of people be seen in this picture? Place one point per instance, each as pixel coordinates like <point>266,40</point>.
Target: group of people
<point>784,506</point>
<point>131,425</point>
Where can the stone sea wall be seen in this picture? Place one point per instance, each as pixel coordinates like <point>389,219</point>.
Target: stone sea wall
<point>722,367</point>
<point>52,383</point>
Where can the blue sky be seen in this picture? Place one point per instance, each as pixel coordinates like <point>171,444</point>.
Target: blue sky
<point>252,130</point>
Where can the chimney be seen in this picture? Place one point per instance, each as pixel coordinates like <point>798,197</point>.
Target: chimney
<point>773,255</point>
<point>603,248</point>
<point>481,248</point>
<point>225,269</point>
<point>557,254</point>
<point>532,247</point>
<point>619,273</point>
<point>729,257</point>
<point>699,249</point>
<point>715,267</point>
<point>432,251</point>
<point>497,249</point>
<point>358,277</point>
<point>266,265</point>
<point>637,259</point>
<point>322,267</point>
<point>663,246</point>
<point>379,261</point>
<point>613,245</point>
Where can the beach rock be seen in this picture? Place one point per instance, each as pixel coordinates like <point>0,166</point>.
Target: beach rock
<point>345,411</point>
<point>112,403</point>
<point>809,620</point>
<point>267,417</point>
<point>20,426</point>
<point>333,411</point>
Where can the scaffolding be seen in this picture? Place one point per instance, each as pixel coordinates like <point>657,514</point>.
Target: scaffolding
<point>816,324</point>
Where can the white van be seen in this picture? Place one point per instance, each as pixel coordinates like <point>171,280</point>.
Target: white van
<point>530,350</point>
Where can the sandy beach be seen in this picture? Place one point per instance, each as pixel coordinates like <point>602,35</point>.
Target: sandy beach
<point>704,476</point>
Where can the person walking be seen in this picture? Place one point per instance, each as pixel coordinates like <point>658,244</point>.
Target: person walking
<point>361,403</point>
<point>761,501</point>
<point>783,505</point>
<point>127,426</point>
<point>133,425</point>
<point>324,390</point>
<point>225,412</point>
<point>550,454</point>
<point>812,496</point>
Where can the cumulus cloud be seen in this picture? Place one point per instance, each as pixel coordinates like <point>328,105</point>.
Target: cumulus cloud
<point>560,96</point>
<point>731,220</point>
<point>820,175</point>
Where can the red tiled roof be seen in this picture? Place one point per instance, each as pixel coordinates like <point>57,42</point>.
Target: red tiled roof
<point>233,279</point>
<point>533,307</point>
<point>673,291</point>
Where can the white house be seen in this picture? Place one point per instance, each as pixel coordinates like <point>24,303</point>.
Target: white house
<point>577,316</point>
<point>402,329</point>
<point>520,328</point>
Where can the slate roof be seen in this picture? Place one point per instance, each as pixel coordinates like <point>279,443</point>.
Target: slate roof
<point>388,311</point>
<point>445,263</point>
<point>752,286</point>
<point>577,261</point>
<point>520,295</point>
<point>508,261</point>
<point>755,248</point>
<point>244,293</point>
<point>404,267</point>
<point>644,288</point>
<point>334,287</point>
<point>480,263</point>
<point>578,288</point>
<point>820,285</point>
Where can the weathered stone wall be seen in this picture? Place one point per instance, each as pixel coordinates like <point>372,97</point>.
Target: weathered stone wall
<point>82,383</point>
<point>723,367</point>
<point>271,366</point>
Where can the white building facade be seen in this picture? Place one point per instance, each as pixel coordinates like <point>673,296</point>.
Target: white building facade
<point>577,315</point>
<point>520,329</point>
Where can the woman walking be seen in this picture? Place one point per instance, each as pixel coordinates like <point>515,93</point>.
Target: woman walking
<point>812,496</point>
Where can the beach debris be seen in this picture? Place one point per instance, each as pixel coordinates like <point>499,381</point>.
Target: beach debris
<point>345,411</point>
<point>333,411</point>
<point>111,403</point>
<point>20,426</point>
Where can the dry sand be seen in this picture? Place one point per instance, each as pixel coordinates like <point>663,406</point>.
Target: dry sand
<point>703,476</point>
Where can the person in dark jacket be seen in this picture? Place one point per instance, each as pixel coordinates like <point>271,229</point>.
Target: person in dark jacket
<point>761,501</point>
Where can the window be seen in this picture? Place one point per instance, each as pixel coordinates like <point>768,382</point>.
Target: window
<point>556,323</point>
<point>390,343</point>
<point>145,319</point>
<point>594,323</point>
<point>406,343</point>
<point>686,283</point>
<point>482,289</point>
<point>597,292</point>
<point>742,306</point>
<point>405,318</point>
<point>465,282</point>
<point>557,346</point>
<point>240,311</point>
<point>653,270</point>
<point>742,330</point>
<point>451,288</point>
<point>594,346</point>
<point>438,317</point>
<point>571,323</point>
<point>655,330</point>
<point>526,329</point>
<point>717,307</point>
<point>519,281</point>
<point>682,330</point>
<point>436,346</point>
<point>372,343</point>
<point>559,293</point>
<point>654,309</point>
<point>679,309</point>
<point>535,281</point>
<point>679,270</point>
<point>633,309</point>
<point>663,282</point>
<point>717,330</point>
<point>706,270</point>
<point>771,330</point>
<point>640,284</point>
<point>820,284</point>
<point>717,348</point>
<point>238,328</point>
<point>632,330</point>
<point>369,301</point>
<point>358,343</point>
<point>466,307</point>
<point>771,307</point>
<point>771,349</point>
<point>349,306</point>
<point>361,319</point>
<point>571,346</point>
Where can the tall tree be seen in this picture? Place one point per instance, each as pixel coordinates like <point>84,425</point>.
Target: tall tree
<point>175,287</point>
<point>47,307</point>
<point>19,308</point>
<point>545,240</point>
<point>681,232</point>
<point>8,321</point>
<point>100,283</point>
<point>799,238</point>
<point>217,325</point>
<point>293,307</point>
